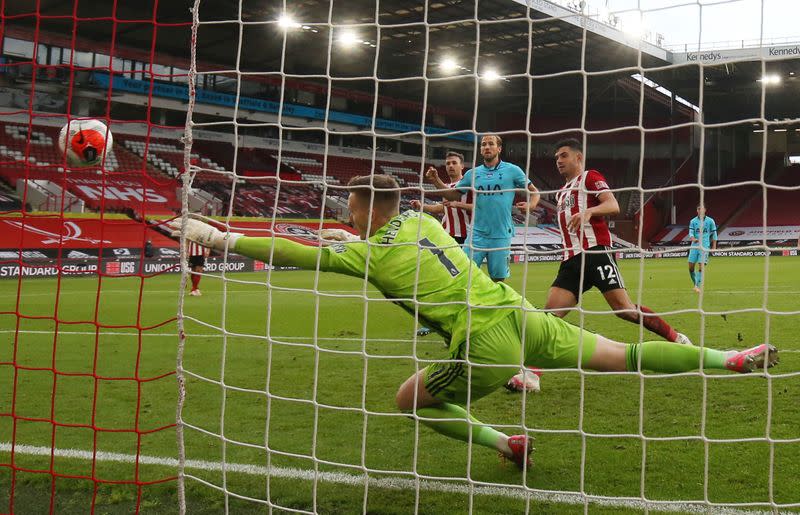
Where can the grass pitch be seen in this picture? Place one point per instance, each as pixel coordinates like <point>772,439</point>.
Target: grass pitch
<point>301,383</point>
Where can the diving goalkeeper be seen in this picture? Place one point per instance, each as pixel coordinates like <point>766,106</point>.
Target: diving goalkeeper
<point>491,329</point>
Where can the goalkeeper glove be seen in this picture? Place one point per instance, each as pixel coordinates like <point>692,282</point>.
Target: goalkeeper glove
<point>337,235</point>
<point>202,233</point>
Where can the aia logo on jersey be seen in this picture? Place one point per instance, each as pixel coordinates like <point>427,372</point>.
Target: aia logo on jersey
<point>489,189</point>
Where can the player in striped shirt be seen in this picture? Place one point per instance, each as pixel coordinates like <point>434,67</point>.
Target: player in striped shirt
<point>583,202</point>
<point>491,329</point>
<point>197,262</point>
<point>456,214</point>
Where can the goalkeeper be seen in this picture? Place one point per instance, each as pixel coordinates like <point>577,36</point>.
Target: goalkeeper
<point>491,329</point>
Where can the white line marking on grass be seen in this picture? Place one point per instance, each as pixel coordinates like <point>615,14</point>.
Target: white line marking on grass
<point>391,483</point>
<point>690,293</point>
<point>253,336</point>
<point>212,335</point>
<point>750,292</point>
<point>231,291</point>
<point>351,293</point>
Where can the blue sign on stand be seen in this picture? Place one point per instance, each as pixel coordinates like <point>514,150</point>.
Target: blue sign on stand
<point>204,96</point>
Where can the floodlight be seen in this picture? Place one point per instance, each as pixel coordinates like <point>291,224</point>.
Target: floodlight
<point>449,65</point>
<point>348,38</point>
<point>491,75</point>
<point>286,22</point>
<point>770,80</point>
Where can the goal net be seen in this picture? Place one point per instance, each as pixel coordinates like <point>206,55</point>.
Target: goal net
<point>141,374</point>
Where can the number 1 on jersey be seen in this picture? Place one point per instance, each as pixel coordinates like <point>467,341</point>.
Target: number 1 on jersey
<point>439,253</point>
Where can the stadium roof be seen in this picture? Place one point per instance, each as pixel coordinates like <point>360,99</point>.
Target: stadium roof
<point>402,41</point>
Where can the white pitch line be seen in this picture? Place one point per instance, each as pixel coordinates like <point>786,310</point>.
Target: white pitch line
<point>689,293</point>
<point>213,335</point>
<point>769,292</point>
<point>259,337</point>
<point>390,483</point>
<point>231,291</point>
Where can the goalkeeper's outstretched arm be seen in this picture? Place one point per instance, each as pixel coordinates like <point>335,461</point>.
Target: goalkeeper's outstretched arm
<point>277,251</point>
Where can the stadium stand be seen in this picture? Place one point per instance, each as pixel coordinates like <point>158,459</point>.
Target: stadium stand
<point>781,204</point>
<point>155,164</point>
<point>739,205</point>
<point>722,200</point>
<point>9,201</point>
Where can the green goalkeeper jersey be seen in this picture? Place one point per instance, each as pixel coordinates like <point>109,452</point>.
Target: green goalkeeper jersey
<point>452,295</point>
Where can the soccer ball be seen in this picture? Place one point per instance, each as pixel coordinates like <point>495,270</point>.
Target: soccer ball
<point>85,142</point>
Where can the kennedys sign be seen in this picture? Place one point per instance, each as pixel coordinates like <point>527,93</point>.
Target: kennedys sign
<point>738,54</point>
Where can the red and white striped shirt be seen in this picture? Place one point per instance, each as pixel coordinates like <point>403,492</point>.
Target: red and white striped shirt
<point>575,197</point>
<point>195,249</point>
<point>456,221</point>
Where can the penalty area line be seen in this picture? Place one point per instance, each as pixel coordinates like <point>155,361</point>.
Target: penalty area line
<point>391,483</point>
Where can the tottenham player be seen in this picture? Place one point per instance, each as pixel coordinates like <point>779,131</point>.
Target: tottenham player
<point>703,235</point>
<point>493,184</point>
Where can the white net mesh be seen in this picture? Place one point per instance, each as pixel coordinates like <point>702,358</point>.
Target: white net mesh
<point>290,376</point>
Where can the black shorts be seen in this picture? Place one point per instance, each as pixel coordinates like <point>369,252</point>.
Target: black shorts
<point>197,261</point>
<point>600,270</point>
<point>460,239</point>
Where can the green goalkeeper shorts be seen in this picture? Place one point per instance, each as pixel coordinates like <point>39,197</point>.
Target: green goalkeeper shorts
<point>495,355</point>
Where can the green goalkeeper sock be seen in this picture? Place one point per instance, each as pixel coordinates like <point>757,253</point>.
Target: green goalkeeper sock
<point>459,429</point>
<point>673,357</point>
